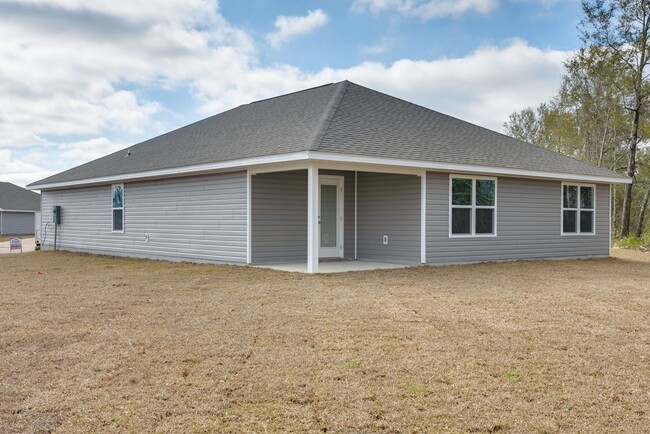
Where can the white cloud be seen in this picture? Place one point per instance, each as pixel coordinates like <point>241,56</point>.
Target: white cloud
<point>22,168</point>
<point>288,27</point>
<point>72,74</point>
<point>86,150</point>
<point>427,9</point>
<point>546,4</point>
<point>69,66</point>
<point>483,87</point>
<point>381,46</point>
<point>18,171</point>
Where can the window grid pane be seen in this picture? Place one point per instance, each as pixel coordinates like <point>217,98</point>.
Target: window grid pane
<point>485,192</point>
<point>461,191</point>
<point>118,196</point>
<point>586,222</point>
<point>586,197</point>
<point>460,221</point>
<point>569,221</point>
<point>570,196</point>
<point>118,219</point>
<point>484,222</point>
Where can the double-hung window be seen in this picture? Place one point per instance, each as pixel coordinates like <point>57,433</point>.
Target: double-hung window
<point>578,209</point>
<point>118,207</point>
<point>472,206</point>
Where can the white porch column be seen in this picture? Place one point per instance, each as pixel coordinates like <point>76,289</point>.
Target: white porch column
<point>423,217</point>
<point>312,218</point>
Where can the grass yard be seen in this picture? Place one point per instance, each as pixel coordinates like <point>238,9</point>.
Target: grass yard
<point>100,344</point>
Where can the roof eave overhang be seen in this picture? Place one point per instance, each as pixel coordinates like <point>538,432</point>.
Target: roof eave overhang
<point>339,158</point>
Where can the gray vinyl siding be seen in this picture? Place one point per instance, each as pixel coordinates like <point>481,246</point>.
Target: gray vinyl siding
<point>200,218</point>
<point>528,224</point>
<point>279,217</point>
<point>388,204</point>
<point>17,223</point>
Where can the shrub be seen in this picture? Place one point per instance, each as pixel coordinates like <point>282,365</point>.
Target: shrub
<point>632,242</point>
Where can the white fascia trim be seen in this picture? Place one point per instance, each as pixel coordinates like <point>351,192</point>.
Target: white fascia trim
<point>232,164</point>
<point>333,157</point>
<point>449,167</point>
<point>16,210</point>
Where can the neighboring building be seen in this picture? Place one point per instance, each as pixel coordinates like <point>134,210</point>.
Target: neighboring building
<point>19,210</point>
<point>337,171</point>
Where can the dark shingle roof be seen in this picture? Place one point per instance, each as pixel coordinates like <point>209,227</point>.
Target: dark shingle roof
<point>341,117</point>
<point>17,198</point>
<point>368,122</point>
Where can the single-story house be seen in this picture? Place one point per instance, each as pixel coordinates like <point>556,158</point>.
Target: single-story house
<point>19,210</point>
<point>336,171</point>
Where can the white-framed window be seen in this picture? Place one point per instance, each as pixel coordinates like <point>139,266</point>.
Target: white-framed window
<point>578,209</point>
<point>472,206</point>
<point>117,193</point>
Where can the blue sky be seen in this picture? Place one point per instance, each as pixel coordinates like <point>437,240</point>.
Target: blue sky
<point>80,79</point>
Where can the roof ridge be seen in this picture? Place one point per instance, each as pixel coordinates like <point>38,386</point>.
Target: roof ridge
<point>325,121</point>
<point>290,93</point>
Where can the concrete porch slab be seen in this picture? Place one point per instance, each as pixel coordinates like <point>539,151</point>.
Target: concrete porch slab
<point>337,266</point>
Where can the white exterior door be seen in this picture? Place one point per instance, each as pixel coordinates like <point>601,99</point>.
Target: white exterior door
<point>330,216</point>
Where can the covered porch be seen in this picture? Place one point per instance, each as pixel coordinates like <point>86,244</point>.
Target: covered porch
<point>333,217</point>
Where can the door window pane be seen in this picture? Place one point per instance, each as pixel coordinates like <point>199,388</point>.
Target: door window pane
<point>586,222</point>
<point>569,218</point>
<point>328,216</point>
<point>484,221</point>
<point>460,220</point>
<point>587,197</point>
<point>461,191</point>
<point>484,192</point>
<point>570,196</point>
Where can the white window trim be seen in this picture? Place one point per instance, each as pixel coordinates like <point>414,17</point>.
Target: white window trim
<point>113,208</point>
<point>473,206</point>
<point>578,209</point>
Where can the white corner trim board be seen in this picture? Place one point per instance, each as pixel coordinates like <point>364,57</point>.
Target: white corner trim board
<point>342,160</point>
<point>249,217</point>
<point>423,217</point>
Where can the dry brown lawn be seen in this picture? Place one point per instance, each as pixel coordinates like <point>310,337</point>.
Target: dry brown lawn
<point>100,344</point>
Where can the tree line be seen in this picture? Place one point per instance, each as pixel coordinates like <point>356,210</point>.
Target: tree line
<point>601,112</point>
